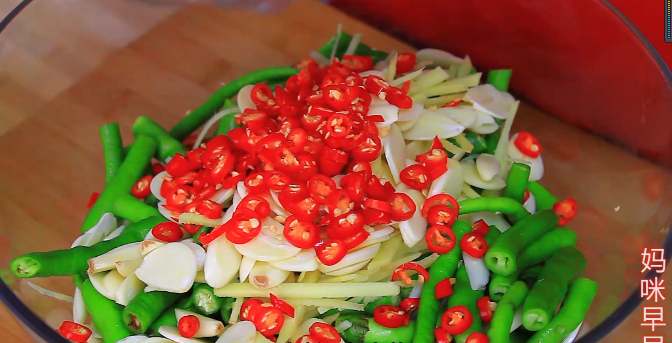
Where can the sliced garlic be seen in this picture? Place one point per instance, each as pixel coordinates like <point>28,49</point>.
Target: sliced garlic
<point>536,164</point>
<point>155,185</point>
<point>490,100</point>
<point>106,224</point>
<point>148,246</point>
<point>264,275</point>
<point>79,312</point>
<point>126,268</point>
<point>264,248</point>
<point>208,327</point>
<point>223,195</point>
<point>170,268</point>
<point>352,258</point>
<point>198,251</point>
<point>413,229</point>
<point>406,125</point>
<point>244,98</point>
<point>97,281</point>
<point>241,332</point>
<point>394,147</point>
<point>173,334</point>
<point>349,269</point>
<point>472,177</point>
<point>165,213</point>
<point>303,262</point>
<point>488,166</point>
<point>246,265</point>
<point>222,262</point>
<point>438,57</point>
<point>416,148</point>
<point>128,289</point>
<point>390,113</point>
<point>431,124</point>
<point>465,115</point>
<point>108,260</point>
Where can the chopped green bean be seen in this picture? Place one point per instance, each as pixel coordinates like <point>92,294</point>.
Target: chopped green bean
<point>516,183</point>
<point>512,208</point>
<point>502,319</point>
<point>465,296</point>
<point>146,307</point>
<point>113,149</point>
<point>543,198</point>
<point>106,314</point>
<point>132,209</point>
<point>167,145</point>
<point>500,78</point>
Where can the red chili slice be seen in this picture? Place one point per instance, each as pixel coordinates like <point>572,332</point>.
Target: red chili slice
<point>282,305</point>
<point>331,79</point>
<point>358,64</point>
<point>409,305</point>
<point>191,178</point>
<point>378,205</point>
<point>331,252</point>
<point>307,339</point>
<point>415,176</point>
<point>232,180</point>
<point>339,202</point>
<point>356,239</point>
<point>307,166</point>
<point>435,157</point>
<point>324,333</point>
<point>245,225</point>
<point>444,288</point>
<point>256,204</point>
<point>441,215</point>
<point>439,199</point>
<point>484,309</point>
<point>191,228</point>
<point>390,316</point>
<point>402,273</point>
<point>320,187</point>
<point>477,337</point>
<point>95,195</point>
<point>296,139</point>
<point>180,196</point>
<point>222,167</point>
<point>566,210</point>
<point>435,173</point>
<point>375,217</point>
<point>75,332</point>
<point>396,97</point>
<point>273,141</point>
<point>355,186</point>
<point>268,320</point>
<point>345,225</point>
<point>276,180</point>
<point>248,308</point>
<point>456,320</point>
<point>210,209</point>
<point>261,93</point>
<point>403,207</point>
<point>301,234</point>
<point>441,336</point>
<point>360,167</point>
<point>329,167</point>
<point>453,103</point>
<point>380,189</point>
<point>306,209</point>
<point>295,191</point>
<point>528,144</point>
<point>178,166</point>
<point>367,151</point>
<point>339,97</point>
<point>256,184</point>
<point>440,239</point>
<point>526,196</point>
<point>339,125</point>
<point>474,245</point>
<point>168,232</point>
<point>375,84</point>
<point>405,62</point>
<point>188,326</point>
<point>158,167</point>
<point>480,227</point>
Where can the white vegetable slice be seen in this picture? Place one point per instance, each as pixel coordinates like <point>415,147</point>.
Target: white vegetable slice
<point>536,164</point>
<point>244,98</point>
<point>198,251</point>
<point>209,327</point>
<point>438,57</point>
<point>259,338</point>
<point>453,86</point>
<point>128,289</point>
<point>133,339</point>
<point>572,335</point>
<point>490,100</point>
<point>50,293</point>
<point>264,276</point>
<point>489,218</point>
<point>115,233</point>
<point>484,124</point>
<point>222,262</point>
<point>394,147</point>
<point>431,124</point>
<point>155,185</point>
<point>242,332</point>
<point>479,274</point>
<point>349,269</point>
<point>411,113</point>
<point>465,115</point>
<point>79,312</point>
<point>198,219</point>
<point>264,248</point>
<point>157,340</point>
<point>222,195</point>
<point>128,267</point>
<point>352,258</point>
<point>106,224</point>
<point>531,205</point>
<point>390,113</point>
<point>303,262</point>
<point>371,72</point>
<point>241,189</point>
<point>170,268</point>
<point>416,148</point>
<point>99,285</point>
<point>488,167</point>
<point>108,260</point>
<point>246,265</point>
<point>275,205</point>
<point>304,328</point>
<point>517,319</point>
<point>472,177</point>
<point>291,324</point>
<point>406,125</point>
<point>173,334</point>
<point>413,229</point>
<point>165,213</point>
<point>410,76</point>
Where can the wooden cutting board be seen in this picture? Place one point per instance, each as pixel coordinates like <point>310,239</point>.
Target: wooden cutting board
<point>103,61</point>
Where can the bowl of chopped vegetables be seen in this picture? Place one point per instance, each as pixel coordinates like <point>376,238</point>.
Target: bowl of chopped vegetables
<point>199,176</point>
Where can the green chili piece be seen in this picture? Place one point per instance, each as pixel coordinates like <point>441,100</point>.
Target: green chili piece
<point>203,229</point>
<point>559,271</point>
<point>75,260</point>
<point>205,300</point>
<point>467,297</point>
<point>168,316</point>
<point>571,314</point>
<point>106,314</point>
<point>146,307</point>
<point>167,145</point>
<point>151,200</point>
<point>380,334</point>
<point>516,183</point>
<point>502,319</point>
<point>359,328</point>
<point>200,115</point>
<point>510,207</point>
<point>491,141</point>
<point>130,171</point>
<point>479,143</point>
<point>531,275</point>
<point>113,149</point>
<point>500,78</point>
<point>542,197</point>
<point>227,309</point>
<point>133,209</point>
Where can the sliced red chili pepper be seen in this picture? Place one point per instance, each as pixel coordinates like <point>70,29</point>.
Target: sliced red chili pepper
<point>158,167</point>
<point>316,99</point>
<point>453,103</point>
<point>95,195</point>
<point>442,336</point>
<point>180,196</point>
<point>190,178</point>
<point>307,167</point>
<point>528,144</point>
<point>296,139</point>
<point>261,93</point>
<point>405,87</point>
<point>444,288</point>
<point>405,62</point>
<point>295,191</point>
<point>304,63</point>
<point>307,339</point>
<point>339,97</point>
<point>248,307</point>
<point>240,139</point>
<point>276,180</point>
<point>480,227</point>
<point>223,166</point>
<point>273,141</point>
<point>232,180</point>
<point>367,151</point>
<point>440,239</point>
<point>301,234</point>
<point>218,142</point>
<point>375,84</point>
<point>526,196</point>
<point>191,207</point>
<point>402,273</point>
<point>396,97</point>
<point>485,309</point>
<point>415,176</point>
<point>331,252</point>
<point>435,173</point>
<point>456,320</point>
<point>256,184</point>
<point>210,209</point>
<point>409,304</point>
<point>268,320</point>
<point>474,245</point>
<point>245,163</point>
<point>353,80</point>
<point>403,207</point>
<point>320,187</point>
<point>439,199</point>
<point>256,204</point>
<point>356,239</point>
<point>339,125</point>
<point>287,161</point>
<point>191,228</point>
<point>306,209</point>
<point>287,124</point>
<point>339,202</point>
<point>345,225</point>
<point>436,156</point>
<point>339,68</point>
<point>324,333</point>
<point>363,168</point>
<point>375,217</point>
<point>245,225</point>
<point>168,232</point>
<point>566,210</point>
<point>188,326</point>
<point>167,186</point>
<point>282,305</point>
<point>74,332</point>
<point>329,167</point>
<point>331,79</point>
<point>194,157</point>
<point>441,215</point>
<point>358,64</point>
<point>178,166</point>
<point>477,337</point>
<point>316,116</point>
<point>390,316</point>
<point>252,119</point>
<point>380,189</point>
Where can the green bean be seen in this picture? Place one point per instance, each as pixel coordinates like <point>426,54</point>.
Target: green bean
<point>281,81</point>
<point>227,309</point>
<point>200,115</point>
<point>571,314</point>
<point>151,200</point>
<point>168,316</point>
<point>542,197</point>
<point>491,141</point>
<point>106,314</point>
<point>344,40</point>
<point>113,149</point>
<point>130,171</point>
<point>133,209</point>
<point>502,255</point>
<point>205,300</point>
<point>444,267</point>
<point>228,122</point>
<point>510,207</point>
<point>531,275</point>
<point>167,145</point>
<point>146,307</point>
<point>500,327</point>
<point>479,143</point>
<point>559,271</point>
<point>492,235</point>
<point>516,183</point>
<point>519,337</point>
<point>500,78</point>
<point>537,252</point>
<point>380,334</point>
<point>75,260</point>
<point>467,297</point>
<point>359,328</point>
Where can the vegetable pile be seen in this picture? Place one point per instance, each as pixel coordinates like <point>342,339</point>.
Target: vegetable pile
<point>358,196</point>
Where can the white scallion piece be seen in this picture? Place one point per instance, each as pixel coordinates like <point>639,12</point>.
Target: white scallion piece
<point>484,124</point>
<point>394,149</point>
<point>79,312</point>
<point>173,334</point>
<point>352,47</point>
<point>223,195</point>
<point>517,319</point>
<point>115,233</point>
<point>129,288</point>
<point>50,293</point>
<point>336,39</point>
<point>408,77</point>
<point>244,99</point>
<point>209,327</point>
<point>99,285</point>
<point>105,226</point>
<point>242,332</point>
<point>479,274</point>
<point>222,262</point>
<point>108,260</point>
<point>531,205</point>
<point>304,261</point>
<point>319,58</point>
<point>413,229</point>
<point>488,167</point>
<point>171,268</point>
<point>502,149</point>
<point>264,276</point>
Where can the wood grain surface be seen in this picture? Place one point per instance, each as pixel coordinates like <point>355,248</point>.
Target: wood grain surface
<point>65,70</point>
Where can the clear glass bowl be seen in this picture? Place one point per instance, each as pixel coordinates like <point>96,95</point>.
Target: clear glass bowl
<point>69,67</point>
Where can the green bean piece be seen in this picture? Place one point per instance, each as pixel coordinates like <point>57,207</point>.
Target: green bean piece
<point>537,252</point>
<point>359,328</point>
<point>542,197</point>
<point>203,229</point>
<point>75,260</point>
<point>227,309</point>
<point>380,334</point>
<point>491,141</point>
<point>500,78</point>
<point>113,149</point>
<point>151,200</point>
<point>492,235</point>
<point>559,271</point>
<point>228,122</point>
<point>200,115</point>
<point>167,145</point>
<point>130,171</point>
<point>479,143</point>
<point>502,256</point>
<point>502,319</point>
<point>444,267</point>
<point>467,297</point>
<point>205,300</point>
<point>146,307</point>
<point>377,55</point>
<point>516,183</point>
<point>531,275</point>
<point>571,314</point>
<point>106,314</point>
<point>133,209</point>
<point>510,207</point>
<point>168,316</point>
